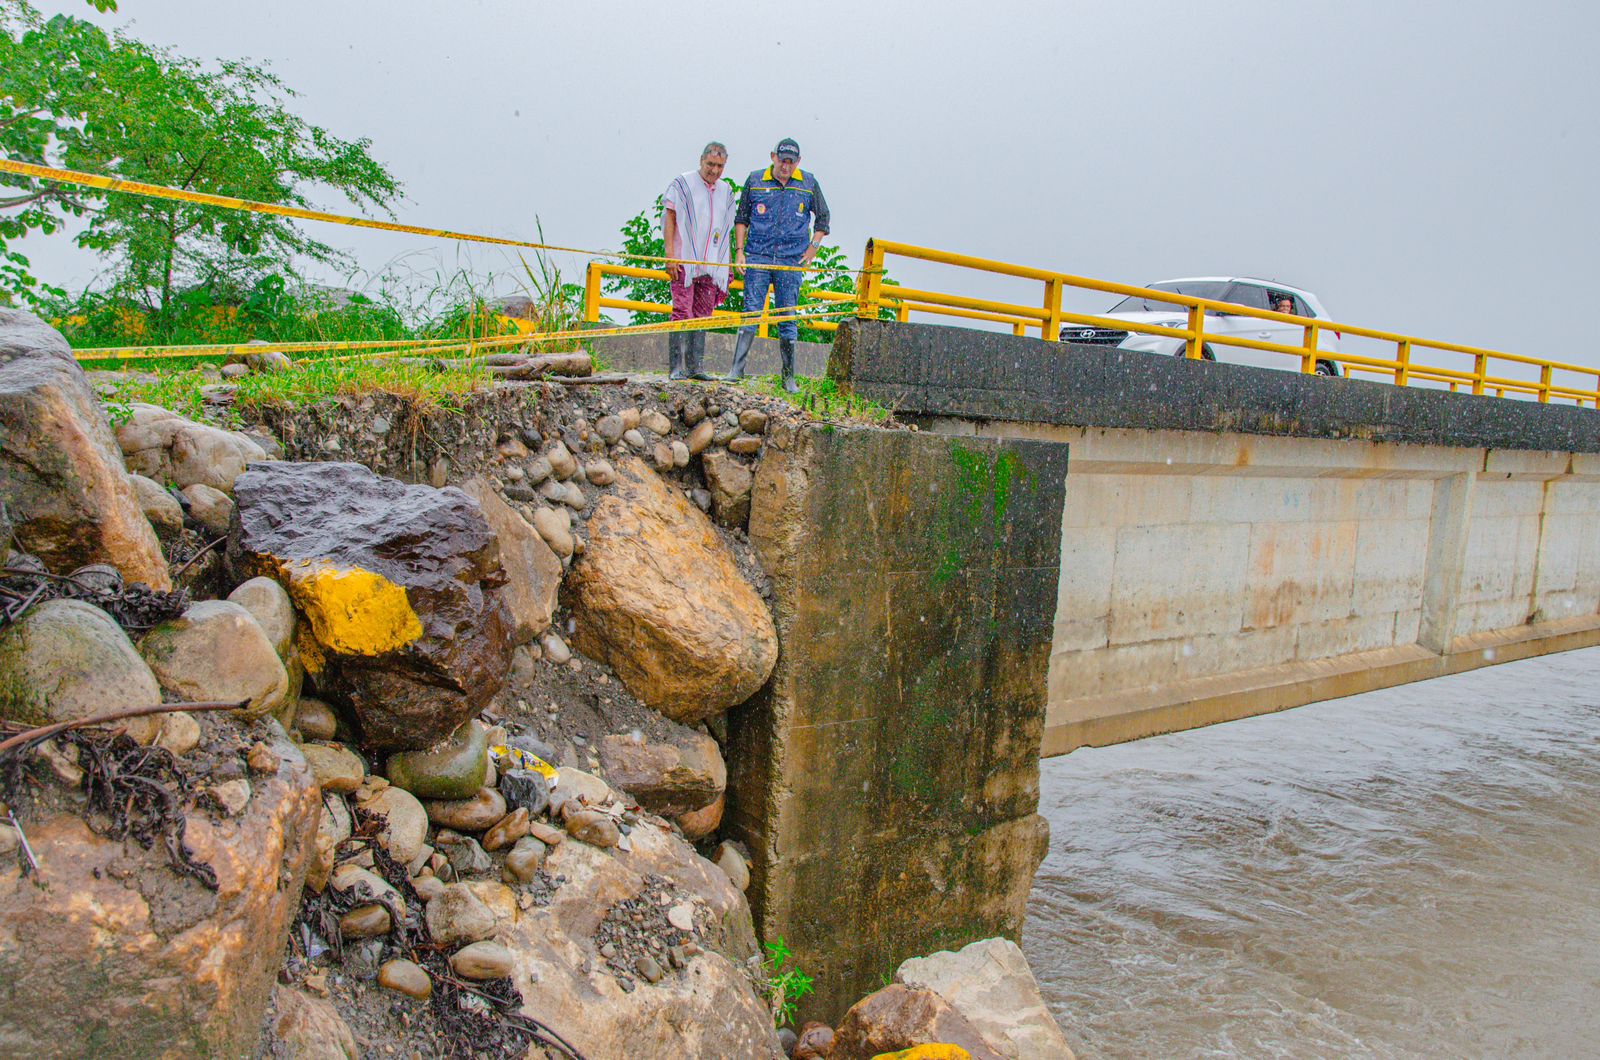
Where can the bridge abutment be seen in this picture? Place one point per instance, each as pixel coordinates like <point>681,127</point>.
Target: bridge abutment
<point>886,780</point>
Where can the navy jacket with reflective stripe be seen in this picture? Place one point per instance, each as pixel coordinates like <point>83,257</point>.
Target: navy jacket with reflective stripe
<point>779,215</point>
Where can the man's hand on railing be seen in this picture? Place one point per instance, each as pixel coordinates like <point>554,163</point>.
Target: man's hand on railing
<point>738,260</point>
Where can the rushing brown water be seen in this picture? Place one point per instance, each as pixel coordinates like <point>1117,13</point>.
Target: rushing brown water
<point>1407,873</point>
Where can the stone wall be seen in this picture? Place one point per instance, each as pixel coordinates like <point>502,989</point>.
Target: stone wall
<point>1212,573</point>
<point>886,780</point>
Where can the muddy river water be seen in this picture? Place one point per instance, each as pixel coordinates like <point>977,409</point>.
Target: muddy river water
<point>1407,873</point>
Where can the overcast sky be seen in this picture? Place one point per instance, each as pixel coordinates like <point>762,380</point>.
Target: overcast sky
<point>1423,167</point>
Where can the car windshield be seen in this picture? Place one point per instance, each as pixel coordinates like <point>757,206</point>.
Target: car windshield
<point>1212,289</point>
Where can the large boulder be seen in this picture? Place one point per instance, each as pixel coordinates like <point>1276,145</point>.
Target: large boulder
<point>707,1008</point>
<point>164,446</point>
<point>400,586</point>
<point>990,983</point>
<point>65,660</point>
<point>61,475</point>
<point>533,572</point>
<point>898,1017</point>
<point>671,777</point>
<point>658,596</point>
<point>216,652</point>
<point>109,951</point>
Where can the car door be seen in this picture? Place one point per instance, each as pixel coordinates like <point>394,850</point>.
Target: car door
<point>1247,327</point>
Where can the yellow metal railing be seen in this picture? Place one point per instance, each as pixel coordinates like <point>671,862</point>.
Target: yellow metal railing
<point>595,300</point>
<point>1048,316</point>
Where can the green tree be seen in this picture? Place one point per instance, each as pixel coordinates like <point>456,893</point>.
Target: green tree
<point>642,240</point>
<point>45,75</point>
<point>107,103</point>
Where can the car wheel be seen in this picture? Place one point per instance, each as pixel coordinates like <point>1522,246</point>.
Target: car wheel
<point>1327,368</point>
<point>1205,352</point>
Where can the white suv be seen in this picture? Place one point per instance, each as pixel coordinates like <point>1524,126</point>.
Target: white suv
<point>1256,294</point>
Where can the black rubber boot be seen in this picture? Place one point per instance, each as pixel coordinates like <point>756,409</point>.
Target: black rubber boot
<point>786,351</point>
<point>697,351</point>
<point>741,350</point>
<point>675,346</point>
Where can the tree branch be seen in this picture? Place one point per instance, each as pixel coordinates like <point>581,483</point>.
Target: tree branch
<point>23,200</point>
<point>44,732</point>
<point>20,117</point>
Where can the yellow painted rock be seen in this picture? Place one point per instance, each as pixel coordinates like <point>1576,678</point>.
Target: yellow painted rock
<point>401,586</point>
<point>927,1052</point>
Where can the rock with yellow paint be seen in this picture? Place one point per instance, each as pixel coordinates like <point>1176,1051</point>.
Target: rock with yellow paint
<point>401,587</point>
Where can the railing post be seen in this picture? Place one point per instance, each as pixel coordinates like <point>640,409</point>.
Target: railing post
<point>869,288</point>
<point>1051,328</point>
<point>1308,342</point>
<point>1196,340</point>
<point>765,330</point>
<point>591,292</point>
<point>1546,376</point>
<point>1402,372</point>
<point>902,311</point>
<point>1480,369</point>
<point>1019,329</point>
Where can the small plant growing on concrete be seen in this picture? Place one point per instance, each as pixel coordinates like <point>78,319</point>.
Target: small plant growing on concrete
<point>785,987</point>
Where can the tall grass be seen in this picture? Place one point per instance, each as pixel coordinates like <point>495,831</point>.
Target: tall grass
<point>402,304</point>
<point>822,399</point>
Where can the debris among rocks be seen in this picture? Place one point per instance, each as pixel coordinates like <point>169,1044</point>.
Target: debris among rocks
<point>133,792</point>
<point>180,911</point>
<point>136,607</point>
<point>637,928</point>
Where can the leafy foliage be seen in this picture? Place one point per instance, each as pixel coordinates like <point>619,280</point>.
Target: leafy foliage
<point>75,96</point>
<point>785,987</point>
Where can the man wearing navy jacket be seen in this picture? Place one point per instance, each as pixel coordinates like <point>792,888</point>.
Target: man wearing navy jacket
<point>781,220</point>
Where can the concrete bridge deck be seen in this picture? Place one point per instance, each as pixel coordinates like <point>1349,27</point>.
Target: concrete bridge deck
<point>1238,540</point>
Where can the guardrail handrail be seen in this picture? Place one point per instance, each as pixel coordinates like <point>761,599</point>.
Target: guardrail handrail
<point>1049,317</point>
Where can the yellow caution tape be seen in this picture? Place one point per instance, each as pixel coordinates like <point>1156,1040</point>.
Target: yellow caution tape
<point>419,347</point>
<point>228,202</point>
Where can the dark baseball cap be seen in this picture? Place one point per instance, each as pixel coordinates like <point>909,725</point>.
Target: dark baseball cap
<point>787,148</point>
